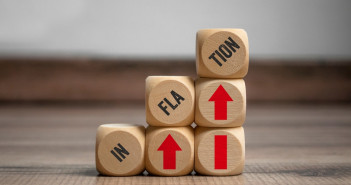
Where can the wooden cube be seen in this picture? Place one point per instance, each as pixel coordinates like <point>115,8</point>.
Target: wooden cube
<point>222,53</point>
<point>169,150</point>
<point>170,100</point>
<point>219,151</point>
<point>220,102</point>
<point>120,149</point>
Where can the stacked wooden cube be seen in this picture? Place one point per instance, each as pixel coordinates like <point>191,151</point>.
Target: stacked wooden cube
<point>216,102</point>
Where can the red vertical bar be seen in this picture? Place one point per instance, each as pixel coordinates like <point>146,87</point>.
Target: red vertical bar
<point>220,152</point>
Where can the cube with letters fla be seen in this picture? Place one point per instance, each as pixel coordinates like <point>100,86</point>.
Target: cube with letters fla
<point>120,149</point>
<point>170,100</point>
<point>220,102</point>
<point>222,53</point>
<point>219,151</point>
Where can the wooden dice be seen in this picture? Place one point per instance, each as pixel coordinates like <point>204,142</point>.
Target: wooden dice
<point>216,102</point>
<point>222,57</point>
<point>219,151</point>
<point>120,149</point>
<point>169,150</point>
<point>220,102</point>
<point>170,100</point>
<point>222,53</point>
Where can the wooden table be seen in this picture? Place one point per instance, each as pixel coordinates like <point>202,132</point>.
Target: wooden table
<point>285,144</point>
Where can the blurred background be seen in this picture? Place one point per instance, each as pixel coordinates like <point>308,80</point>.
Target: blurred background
<point>68,66</point>
<point>79,50</point>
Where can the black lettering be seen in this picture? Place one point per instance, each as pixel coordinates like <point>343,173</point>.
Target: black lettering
<point>121,151</point>
<point>177,97</point>
<point>163,108</point>
<point>170,104</point>
<point>114,154</point>
<point>224,59</point>
<point>215,59</point>
<point>227,54</point>
<point>232,44</point>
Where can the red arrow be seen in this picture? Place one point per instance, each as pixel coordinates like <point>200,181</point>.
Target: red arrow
<point>169,148</point>
<point>220,97</point>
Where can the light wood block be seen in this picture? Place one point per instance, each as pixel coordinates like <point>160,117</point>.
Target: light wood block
<point>219,151</point>
<point>169,150</point>
<point>120,149</point>
<point>222,53</point>
<point>170,100</point>
<point>220,102</point>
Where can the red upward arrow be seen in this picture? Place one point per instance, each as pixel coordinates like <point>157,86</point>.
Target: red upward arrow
<point>169,148</point>
<point>220,97</point>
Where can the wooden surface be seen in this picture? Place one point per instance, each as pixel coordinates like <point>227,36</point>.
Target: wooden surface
<point>285,144</point>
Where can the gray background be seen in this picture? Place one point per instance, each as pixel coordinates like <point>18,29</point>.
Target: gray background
<point>159,28</point>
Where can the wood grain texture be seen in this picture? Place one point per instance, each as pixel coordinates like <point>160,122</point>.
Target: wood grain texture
<point>120,149</point>
<point>222,53</point>
<point>169,100</point>
<point>285,144</point>
<point>206,110</point>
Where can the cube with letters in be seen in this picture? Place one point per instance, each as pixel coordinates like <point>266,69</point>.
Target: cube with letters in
<point>120,149</point>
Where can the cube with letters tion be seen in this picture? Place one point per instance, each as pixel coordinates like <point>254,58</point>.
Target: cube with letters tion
<point>222,53</point>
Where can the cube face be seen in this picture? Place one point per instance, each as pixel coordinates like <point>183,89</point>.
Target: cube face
<point>169,150</point>
<point>220,103</point>
<point>222,53</point>
<point>219,151</point>
<point>120,149</point>
<point>170,100</point>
